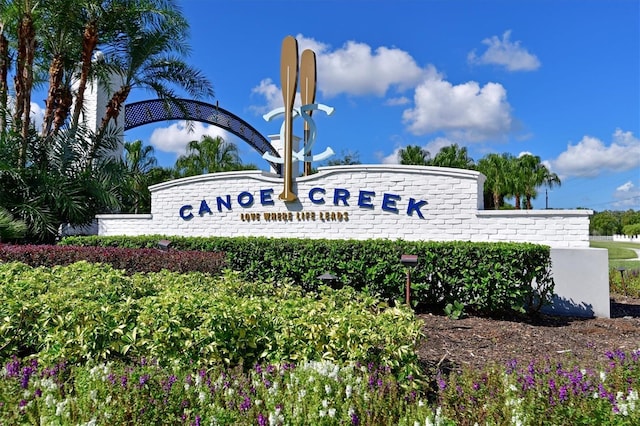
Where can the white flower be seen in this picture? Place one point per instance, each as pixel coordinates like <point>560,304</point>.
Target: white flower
<point>60,406</point>
<point>348,390</point>
<point>327,389</point>
<point>322,413</point>
<point>49,400</point>
<point>198,380</point>
<point>332,412</point>
<point>325,403</point>
<point>186,386</point>
<point>202,396</point>
<point>93,394</point>
<point>603,376</point>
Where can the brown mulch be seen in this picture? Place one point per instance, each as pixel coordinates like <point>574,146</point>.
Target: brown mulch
<point>475,341</point>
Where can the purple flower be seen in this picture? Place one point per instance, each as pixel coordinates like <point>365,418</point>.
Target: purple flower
<point>13,367</point>
<point>143,379</point>
<point>442,385</point>
<point>197,422</point>
<point>246,404</point>
<point>26,374</point>
<point>262,420</point>
<point>563,393</point>
<point>354,419</point>
<point>123,381</point>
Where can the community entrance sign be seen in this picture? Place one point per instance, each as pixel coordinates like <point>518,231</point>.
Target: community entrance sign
<point>355,202</point>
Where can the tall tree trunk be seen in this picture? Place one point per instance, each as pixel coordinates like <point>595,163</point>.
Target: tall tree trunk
<point>89,43</point>
<point>24,83</point>
<point>56,72</point>
<point>528,198</point>
<point>496,200</point>
<point>4,73</point>
<point>517,197</point>
<point>63,108</point>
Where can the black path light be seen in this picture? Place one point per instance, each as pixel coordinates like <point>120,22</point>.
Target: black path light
<point>409,261</point>
<point>328,279</point>
<point>164,245</point>
<point>621,269</point>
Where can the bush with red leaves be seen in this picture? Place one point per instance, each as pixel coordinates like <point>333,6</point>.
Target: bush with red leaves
<point>131,260</point>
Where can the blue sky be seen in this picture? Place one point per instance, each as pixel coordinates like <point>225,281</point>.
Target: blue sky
<point>559,79</point>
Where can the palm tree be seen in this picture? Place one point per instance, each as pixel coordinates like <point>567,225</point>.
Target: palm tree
<point>414,155</point>
<point>10,229</point>
<point>150,58</point>
<point>20,16</point>
<point>60,43</point>
<point>209,155</point>
<point>453,156</point>
<point>4,73</point>
<point>138,162</point>
<point>533,174</point>
<point>496,168</point>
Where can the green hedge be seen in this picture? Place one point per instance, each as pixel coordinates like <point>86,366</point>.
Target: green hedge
<point>490,278</point>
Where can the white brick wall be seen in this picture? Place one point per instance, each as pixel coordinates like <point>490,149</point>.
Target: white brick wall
<point>453,210</point>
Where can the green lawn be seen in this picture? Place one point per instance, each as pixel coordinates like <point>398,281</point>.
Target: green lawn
<point>618,250</point>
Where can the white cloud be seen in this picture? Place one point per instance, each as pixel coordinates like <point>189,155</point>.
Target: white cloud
<point>466,111</point>
<point>590,156</point>
<point>37,115</point>
<point>627,195</point>
<point>625,187</point>
<point>354,69</point>
<point>506,53</point>
<point>175,137</point>
<point>271,93</point>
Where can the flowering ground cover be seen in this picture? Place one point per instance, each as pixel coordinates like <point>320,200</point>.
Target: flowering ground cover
<point>476,370</point>
<point>319,393</point>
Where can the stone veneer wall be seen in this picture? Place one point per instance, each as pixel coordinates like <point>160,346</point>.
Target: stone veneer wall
<point>453,208</point>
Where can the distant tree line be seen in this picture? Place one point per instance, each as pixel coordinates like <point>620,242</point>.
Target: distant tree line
<point>611,222</point>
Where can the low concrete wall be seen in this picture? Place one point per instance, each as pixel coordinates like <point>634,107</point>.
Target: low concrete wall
<point>581,279</point>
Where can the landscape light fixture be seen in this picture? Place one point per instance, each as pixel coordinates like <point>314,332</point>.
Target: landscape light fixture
<point>622,269</point>
<point>328,279</point>
<point>164,245</point>
<point>409,261</point>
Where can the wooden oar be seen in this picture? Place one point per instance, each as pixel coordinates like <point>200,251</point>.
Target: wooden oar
<point>289,81</point>
<point>307,93</point>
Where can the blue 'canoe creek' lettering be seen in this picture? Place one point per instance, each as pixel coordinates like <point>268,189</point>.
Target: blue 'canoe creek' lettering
<point>364,199</point>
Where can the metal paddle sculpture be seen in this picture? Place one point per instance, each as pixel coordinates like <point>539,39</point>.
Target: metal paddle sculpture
<point>307,95</point>
<point>289,81</point>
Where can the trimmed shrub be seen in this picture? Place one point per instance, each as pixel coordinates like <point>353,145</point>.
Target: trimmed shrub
<point>487,278</point>
<point>128,259</point>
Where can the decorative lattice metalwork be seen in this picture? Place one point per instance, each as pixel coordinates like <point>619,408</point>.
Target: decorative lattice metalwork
<point>145,112</point>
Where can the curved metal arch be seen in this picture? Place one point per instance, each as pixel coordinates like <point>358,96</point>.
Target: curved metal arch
<point>145,112</point>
